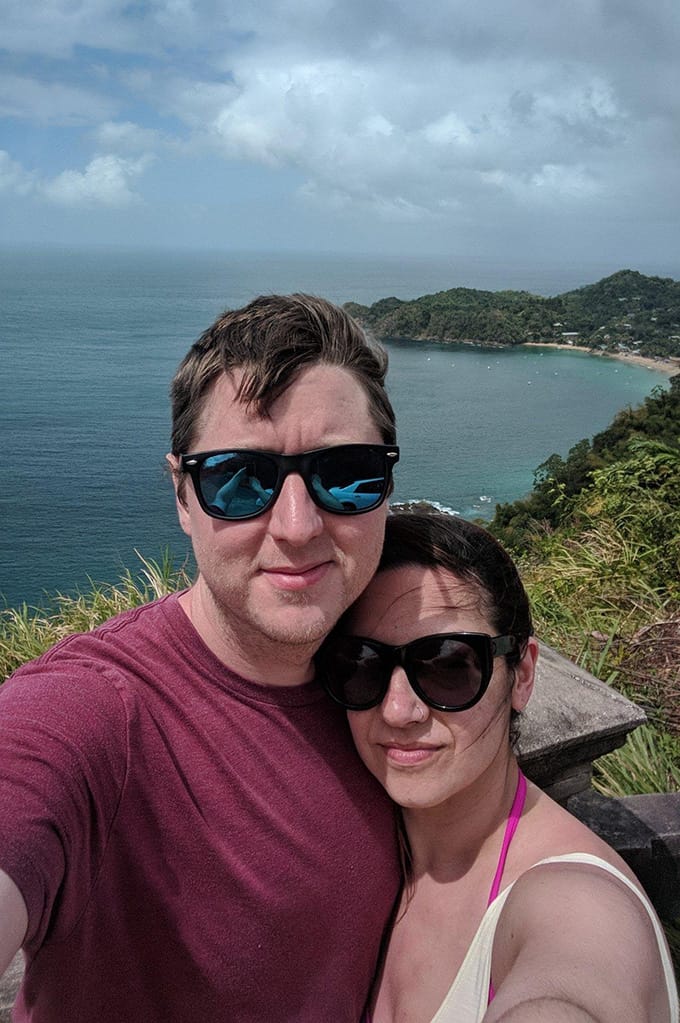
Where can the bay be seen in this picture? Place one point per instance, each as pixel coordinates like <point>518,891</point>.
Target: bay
<point>90,340</point>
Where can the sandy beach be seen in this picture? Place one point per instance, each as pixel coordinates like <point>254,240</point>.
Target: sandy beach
<point>671,366</point>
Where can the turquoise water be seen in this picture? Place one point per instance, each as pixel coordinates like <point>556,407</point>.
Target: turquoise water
<point>89,343</point>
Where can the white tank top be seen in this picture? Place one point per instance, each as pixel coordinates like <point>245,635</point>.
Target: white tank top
<point>468,997</point>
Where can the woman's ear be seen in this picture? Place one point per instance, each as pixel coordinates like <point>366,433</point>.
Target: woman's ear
<point>523,684</point>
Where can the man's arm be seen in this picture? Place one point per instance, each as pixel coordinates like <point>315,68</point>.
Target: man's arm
<point>13,920</point>
<point>574,945</point>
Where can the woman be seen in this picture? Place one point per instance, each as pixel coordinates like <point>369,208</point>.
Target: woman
<point>432,663</point>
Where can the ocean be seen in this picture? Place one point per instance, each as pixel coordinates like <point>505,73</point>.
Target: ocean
<point>90,340</point>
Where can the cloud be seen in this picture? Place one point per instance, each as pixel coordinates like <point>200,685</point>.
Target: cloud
<point>195,103</point>
<point>426,114</point>
<point>13,177</point>
<point>126,137</point>
<point>49,102</point>
<point>104,182</point>
<point>55,27</point>
<point>549,184</point>
<point>426,147</point>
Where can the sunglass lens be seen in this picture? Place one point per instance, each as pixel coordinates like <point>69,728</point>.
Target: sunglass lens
<point>353,672</point>
<point>449,671</point>
<point>237,484</point>
<point>350,479</point>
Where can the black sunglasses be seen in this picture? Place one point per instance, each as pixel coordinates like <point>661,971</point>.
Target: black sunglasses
<point>242,483</point>
<point>449,671</point>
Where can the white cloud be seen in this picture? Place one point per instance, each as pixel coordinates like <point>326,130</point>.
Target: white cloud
<point>431,113</point>
<point>104,182</point>
<point>13,177</point>
<point>126,137</point>
<point>552,182</point>
<point>427,148</point>
<point>55,27</point>
<point>448,130</point>
<point>49,102</point>
<point>192,102</point>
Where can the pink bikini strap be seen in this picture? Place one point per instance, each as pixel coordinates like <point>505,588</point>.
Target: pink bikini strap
<point>510,828</point>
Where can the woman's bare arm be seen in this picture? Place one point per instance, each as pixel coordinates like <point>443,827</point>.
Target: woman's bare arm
<point>13,920</point>
<point>573,944</point>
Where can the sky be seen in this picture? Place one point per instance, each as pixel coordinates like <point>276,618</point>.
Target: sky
<point>501,130</point>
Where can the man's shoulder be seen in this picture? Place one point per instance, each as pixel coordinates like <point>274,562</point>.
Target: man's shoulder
<point>111,649</point>
<point>127,627</point>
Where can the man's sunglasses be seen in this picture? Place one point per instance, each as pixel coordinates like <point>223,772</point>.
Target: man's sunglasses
<point>449,672</point>
<point>242,483</point>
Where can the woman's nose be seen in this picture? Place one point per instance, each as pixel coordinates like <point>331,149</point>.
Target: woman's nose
<point>401,705</point>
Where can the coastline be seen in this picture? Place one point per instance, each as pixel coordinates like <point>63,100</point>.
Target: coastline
<point>668,366</point>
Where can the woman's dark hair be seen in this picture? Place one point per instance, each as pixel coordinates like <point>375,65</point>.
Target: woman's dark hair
<point>469,552</point>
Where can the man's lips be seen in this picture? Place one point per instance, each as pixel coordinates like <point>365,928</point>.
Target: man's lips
<point>296,577</point>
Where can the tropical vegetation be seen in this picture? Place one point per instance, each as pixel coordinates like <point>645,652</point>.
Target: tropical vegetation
<point>598,540</point>
<point>627,311</point>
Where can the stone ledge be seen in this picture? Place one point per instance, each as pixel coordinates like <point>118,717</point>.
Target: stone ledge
<point>645,831</point>
<point>572,719</point>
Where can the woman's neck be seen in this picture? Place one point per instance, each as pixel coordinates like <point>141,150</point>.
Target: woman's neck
<point>447,839</point>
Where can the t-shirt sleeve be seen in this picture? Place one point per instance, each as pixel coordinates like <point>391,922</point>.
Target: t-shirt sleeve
<point>63,758</point>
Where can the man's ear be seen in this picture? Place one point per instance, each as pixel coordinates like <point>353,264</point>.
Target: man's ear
<point>179,483</point>
<point>524,672</point>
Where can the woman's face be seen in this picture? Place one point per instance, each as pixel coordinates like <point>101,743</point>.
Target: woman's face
<point>422,756</point>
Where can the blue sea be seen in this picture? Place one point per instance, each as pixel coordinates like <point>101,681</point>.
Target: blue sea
<point>90,340</point>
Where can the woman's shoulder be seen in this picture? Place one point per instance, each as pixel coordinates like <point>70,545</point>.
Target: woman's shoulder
<point>549,831</point>
<point>564,914</point>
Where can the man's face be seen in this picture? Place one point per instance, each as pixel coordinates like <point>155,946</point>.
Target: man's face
<point>272,587</point>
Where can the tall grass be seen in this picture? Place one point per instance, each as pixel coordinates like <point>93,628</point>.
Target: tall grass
<point>25,632</point>
<point>578,614</point>
<point>648,762</point>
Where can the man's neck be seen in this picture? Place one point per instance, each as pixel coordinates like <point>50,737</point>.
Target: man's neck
<point>262,661</point>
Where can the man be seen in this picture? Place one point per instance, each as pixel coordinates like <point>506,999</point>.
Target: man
<point>185,830</point>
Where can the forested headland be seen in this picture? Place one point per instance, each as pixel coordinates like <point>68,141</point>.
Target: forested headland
<point>626,312</point>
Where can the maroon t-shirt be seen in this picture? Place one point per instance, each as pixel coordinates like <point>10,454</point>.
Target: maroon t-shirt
<point>190,845</point>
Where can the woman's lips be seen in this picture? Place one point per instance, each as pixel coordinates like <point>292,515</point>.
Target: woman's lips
<point>407,755</point>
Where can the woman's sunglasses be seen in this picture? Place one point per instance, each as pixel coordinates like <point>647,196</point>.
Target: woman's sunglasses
<point>449,672</point>
<point>349,479</point>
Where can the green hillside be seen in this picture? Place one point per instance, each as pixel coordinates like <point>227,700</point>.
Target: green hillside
<point>627,311</point>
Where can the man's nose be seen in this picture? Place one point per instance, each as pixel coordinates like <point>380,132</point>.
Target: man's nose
<point>401,705</point>
<point>295,518</point>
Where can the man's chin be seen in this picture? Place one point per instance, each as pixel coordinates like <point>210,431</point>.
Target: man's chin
<point>300,627</point>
